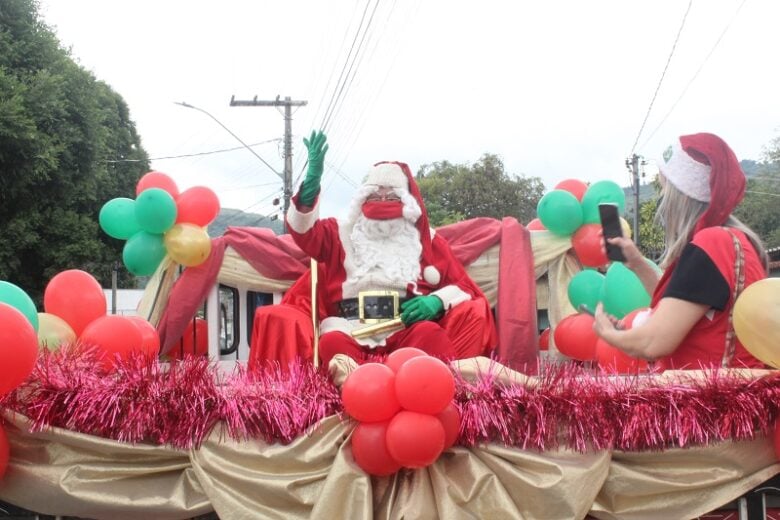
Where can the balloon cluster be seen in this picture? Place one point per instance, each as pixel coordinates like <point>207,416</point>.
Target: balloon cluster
<point>572,209</point>
<point>161,221</point>
<point>757,320</point>
<point>405,410</point>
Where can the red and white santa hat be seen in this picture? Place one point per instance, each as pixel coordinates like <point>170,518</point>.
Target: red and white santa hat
<point>703,167</point>
<point>398,175</point>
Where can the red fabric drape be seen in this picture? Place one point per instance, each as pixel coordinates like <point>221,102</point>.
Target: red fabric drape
<point>278,257</point>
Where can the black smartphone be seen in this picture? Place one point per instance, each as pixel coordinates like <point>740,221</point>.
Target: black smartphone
<point>610,225</point>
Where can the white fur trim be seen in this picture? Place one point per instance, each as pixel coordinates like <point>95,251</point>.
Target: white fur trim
<point>685,173</point>
<point>431,275</point>
<point>302,222</point>
<point>387,174</point>
<point>451,295</point>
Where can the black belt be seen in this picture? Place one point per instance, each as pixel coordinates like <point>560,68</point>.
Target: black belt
<point>376,308</point>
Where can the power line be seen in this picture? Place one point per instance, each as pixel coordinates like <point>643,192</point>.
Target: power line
<point>663,74</point>
<point>696,74</point>
<point>763,193</point>
<point>197,154</point>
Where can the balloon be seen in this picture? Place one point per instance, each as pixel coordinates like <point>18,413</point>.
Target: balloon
<point>117,218</point>
<point>193,342</point>
<point>414,439</point>
<point>598,193</point>
<point>5,451</point>
<point>369,447</point>
<point>53,331</point>
<point>573,186</point>
<point>544,339</point>
<point>157,180</point>
<point>368,393</point>
<point>623,291</point>
<point>425,385</point>
<point>574,337</point>
<point>187,244</point>
<point>585,289</point>
<point>636,318</point>
<point>76,297</point>
<point>612,360</point>
<point>18,299</point>
<point>18,348</point>
<point>588,243</point>
<point>150,339</point>
<point>155,210</point>
<point>536,225</point>
<point>757,320</point>
<point>626,227</point>
<point>450,420</point>
<point>401,356</point>
<point>560,212</point>
<point>143,253</point>
<point>197,205</point>
<point>116,337</point>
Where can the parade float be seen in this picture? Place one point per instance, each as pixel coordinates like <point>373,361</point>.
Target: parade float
<point>97,426</point>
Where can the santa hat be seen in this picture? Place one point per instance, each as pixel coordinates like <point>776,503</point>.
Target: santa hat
<point>703,167</point>
<point>398,175</point>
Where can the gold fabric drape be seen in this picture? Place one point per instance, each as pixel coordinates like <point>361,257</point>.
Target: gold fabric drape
<point>59,472</point>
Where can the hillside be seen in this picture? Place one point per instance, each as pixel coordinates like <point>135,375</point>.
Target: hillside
<point>236,217</point>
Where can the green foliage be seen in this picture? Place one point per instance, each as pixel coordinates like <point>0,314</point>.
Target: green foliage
<point>60,129</point>
<point>455,192</point>
<point>651,235</point>
<point>760,209</point>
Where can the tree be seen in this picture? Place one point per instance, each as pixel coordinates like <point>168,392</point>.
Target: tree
<point>60,131</point>
<point>760,209</point>
<point>453,192</point>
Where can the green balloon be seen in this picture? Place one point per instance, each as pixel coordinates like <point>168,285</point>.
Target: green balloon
<point>585,289</point>
<point>560,212</point>
<point>143,252</point>
<point>117,218</point>
<point>155,210</point>
<point>623,291</point>
<point>18,299</point>
<point>598,193</point>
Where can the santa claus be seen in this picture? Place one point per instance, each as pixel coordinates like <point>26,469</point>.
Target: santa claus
<point>383,262</point>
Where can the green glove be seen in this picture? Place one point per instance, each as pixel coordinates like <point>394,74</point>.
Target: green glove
<point>421,308</point>
<point>311,184</point>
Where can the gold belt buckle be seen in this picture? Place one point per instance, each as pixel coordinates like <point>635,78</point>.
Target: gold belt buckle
<point>378,306</point>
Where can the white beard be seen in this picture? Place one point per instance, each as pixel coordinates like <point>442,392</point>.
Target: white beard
<point>381,255</point>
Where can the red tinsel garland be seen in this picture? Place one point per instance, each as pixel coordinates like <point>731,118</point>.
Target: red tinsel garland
<point>178,404</point>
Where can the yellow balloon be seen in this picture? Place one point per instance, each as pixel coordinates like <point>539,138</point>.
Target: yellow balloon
<point>53,331</point>
<point>757,320</point>
<point>187,244</point>
<point>627,230</point>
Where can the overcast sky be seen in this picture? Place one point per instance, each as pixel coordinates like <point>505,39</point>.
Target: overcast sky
<point>558,88</point>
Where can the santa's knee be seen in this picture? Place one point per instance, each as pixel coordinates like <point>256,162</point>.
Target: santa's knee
<point>332,343</point>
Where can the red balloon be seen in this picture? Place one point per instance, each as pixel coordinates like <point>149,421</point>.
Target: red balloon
<point>535,225</point>
<point>115,336</point>
<point>368,393</point>
<point>588,243</point>
<point>636,318</point>
<point>544,339</point>
<point>450,420</point>
<point>198,205</point>
<point>612,360</point>
<point>574,337</point>
<point>193,342</point>
<point>5,452</point>
<point>76,297</point>
<point>150,339</point>
<point>401,356</point>
<point>414,439</point>
<point>573,186</point>
<point>157,180</point>
<point>18,348</point>
<point>369,447</point>
<point>425,385</point>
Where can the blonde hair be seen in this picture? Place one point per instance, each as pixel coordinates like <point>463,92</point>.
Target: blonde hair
<point>678,215</point>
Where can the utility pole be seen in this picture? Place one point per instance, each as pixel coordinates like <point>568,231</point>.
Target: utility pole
<point>287,103</point>
<point>633,163</point>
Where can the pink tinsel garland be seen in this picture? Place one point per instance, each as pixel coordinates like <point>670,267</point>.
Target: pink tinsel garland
<point>178,404</point>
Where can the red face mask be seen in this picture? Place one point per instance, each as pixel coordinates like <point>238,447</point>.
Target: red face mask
<point>383,209</point>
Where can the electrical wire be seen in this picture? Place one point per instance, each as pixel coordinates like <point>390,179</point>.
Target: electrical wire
<point>197,154</point>
<point>660,81</point>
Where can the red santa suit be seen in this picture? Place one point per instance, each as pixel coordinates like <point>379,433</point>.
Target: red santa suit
<point>401,254</point>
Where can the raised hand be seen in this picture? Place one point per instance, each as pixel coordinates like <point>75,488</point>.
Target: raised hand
<point>317,147</point>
